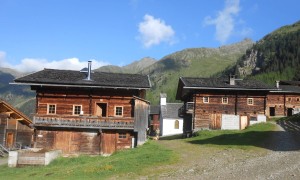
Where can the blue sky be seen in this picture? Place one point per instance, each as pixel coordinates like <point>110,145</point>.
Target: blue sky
<point>37,34</point>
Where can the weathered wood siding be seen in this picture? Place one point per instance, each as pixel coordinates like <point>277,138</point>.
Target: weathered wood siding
<point>209,115</point>
<point>281,102</point>
<point>141,115</point>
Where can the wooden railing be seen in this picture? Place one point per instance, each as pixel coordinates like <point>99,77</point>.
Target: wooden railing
<point>189,107</point>
<point>84,122</point>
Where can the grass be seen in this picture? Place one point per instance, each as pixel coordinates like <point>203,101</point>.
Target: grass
<point>253,136</point>
<point>134,162</point>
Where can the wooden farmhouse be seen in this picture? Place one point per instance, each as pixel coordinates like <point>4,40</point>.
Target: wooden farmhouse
<point>15,130</point>
<point>154,122</point>
<point>84,112</point>
<point>221,103</point>
<point>285,101</point>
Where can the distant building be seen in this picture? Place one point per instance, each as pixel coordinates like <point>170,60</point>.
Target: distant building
<point>285,100</point>
<point>222,103</point>
<point>170,121</point>
<point>85,112</point>
<point>154,122</point>
<point>15,130</point>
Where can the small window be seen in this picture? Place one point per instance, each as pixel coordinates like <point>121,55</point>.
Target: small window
<point>122,136</point>
<point>289,99</point>
<point>298,99</point>
<point>250,101</point>
<point>119,111</point>
<point>224,100</point>
<point>77,110</point>
<point>253,118</point>
<point>206,99</point>
<point>176,125</point>
<point>51,109</point>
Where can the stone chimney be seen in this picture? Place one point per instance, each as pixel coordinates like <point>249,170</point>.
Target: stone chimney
<point>163,99</point>
<point>232,80</point>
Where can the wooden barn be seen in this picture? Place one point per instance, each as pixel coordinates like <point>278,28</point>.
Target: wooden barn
<point>84,112</point>
<point>15,130</point>
<point>221,103</point>
<point>285,101</point>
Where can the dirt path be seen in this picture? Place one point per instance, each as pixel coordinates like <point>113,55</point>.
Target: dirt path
<point>280,159</point>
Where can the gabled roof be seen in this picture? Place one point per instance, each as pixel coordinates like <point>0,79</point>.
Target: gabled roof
<point>187,84</point>
<point>10,111</point>
<point>53,77</point>
<point>288,89</point>
<point>171,110</point>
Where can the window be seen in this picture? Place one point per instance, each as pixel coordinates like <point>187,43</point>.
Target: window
<point>176,125</point>
<point>119,111</point>
<point>289,99</point>
<point>206,99</point>
<point>77,109</point>
<point>298,99</point>
<point>250,101</point>
<point>224,100</point>
<point>51,109</point>
<point>122,136</point>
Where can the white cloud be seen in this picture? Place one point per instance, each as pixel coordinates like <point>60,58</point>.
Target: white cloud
<point>32,65</point>
<point>225,20</point>
<point>154,31</point>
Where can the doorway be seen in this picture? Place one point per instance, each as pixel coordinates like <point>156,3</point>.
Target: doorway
<point>9,139</point>
<point>101,109</point>
<point>289,111</point>
<point>272,111</point>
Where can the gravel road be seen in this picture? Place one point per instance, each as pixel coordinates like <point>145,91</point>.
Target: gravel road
<point>279,159</point>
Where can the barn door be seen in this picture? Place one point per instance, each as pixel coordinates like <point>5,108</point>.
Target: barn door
<point>215,121</point>
<point>62,141</point>
<point>9,139</point>
<point>108,142</point>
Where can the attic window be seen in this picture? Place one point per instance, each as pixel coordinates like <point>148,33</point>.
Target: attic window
<point>224,100</point>
<point>250,101</point>
<point>205,99</point>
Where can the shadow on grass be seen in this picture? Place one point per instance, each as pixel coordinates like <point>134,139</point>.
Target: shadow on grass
<point>287,140</point>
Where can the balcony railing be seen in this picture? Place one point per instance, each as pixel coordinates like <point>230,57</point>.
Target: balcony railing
<point>90,122</point>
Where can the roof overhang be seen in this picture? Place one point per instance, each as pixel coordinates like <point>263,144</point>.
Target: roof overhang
<point>226,88</point>
<point>78,85</point>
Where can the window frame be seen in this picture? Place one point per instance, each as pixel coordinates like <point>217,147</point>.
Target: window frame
<point>122,135</point>
<point>205,98</point>
<point>48,108</point>
<point>252,101</point>
<point>223,100</point>
<point>74,108</point>
<point>122,110</point>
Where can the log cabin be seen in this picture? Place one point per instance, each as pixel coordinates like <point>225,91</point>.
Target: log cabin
<point>85,112</point>
<point>221,103</point>
<point>285,101</point>
<point>15,130</point>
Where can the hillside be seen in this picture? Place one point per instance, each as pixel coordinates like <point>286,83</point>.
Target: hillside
<point>132,68</point>
<point>274,57</point>
<point>20,97</point>
<point>192,62</point>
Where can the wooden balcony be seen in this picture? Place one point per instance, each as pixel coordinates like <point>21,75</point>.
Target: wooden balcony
<point>87,122</point>
<point>189,107</point>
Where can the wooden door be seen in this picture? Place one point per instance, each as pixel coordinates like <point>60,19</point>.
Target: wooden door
<point>101,109</point>
<point>9,139</point>
<point>215,121</point>
<point>108,142</point>
<point>62,141</point>
<point>244,122</point>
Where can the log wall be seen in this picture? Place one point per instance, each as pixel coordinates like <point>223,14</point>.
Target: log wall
<point>281,102</point>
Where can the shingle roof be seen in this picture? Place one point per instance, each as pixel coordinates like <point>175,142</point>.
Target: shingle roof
<point>102,79</point>
<point>171,110</point>
<point>211,83</point>
<point>288,88</point>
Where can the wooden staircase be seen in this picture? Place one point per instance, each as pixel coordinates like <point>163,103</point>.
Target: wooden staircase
<point>3,151</point>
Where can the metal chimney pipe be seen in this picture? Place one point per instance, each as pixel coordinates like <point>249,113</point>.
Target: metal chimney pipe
<point>277,84</point>
<point>89,70</point>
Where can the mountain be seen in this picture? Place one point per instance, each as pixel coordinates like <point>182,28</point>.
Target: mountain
<point>275,57</point>
<point>132,68</point>
<point>21,97</point>
<point>192,62</point>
